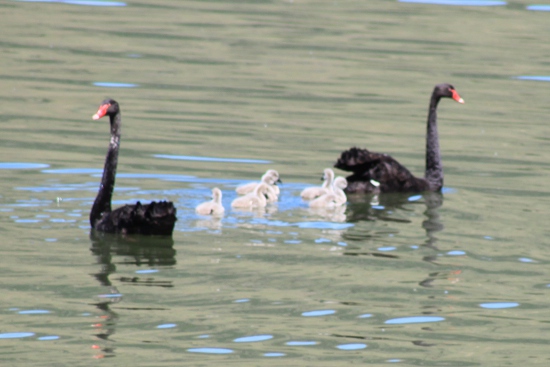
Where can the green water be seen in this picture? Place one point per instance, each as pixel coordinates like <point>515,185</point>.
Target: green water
<point>292,83</point>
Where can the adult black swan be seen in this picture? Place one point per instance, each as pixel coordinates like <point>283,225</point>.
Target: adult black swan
<point>377,172</point>
<point>156,218</point>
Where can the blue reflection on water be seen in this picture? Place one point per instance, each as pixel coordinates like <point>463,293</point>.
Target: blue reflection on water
<point>301,343</point>
<point>365,315</point>
<point>66,171</point>
<point>526,260</point>
<point>15,335</point>
<point>498,305</point>
<point>244,300</point>
<point>415,198</point>
<point>456,253</point>
<point>318,313</point>
<point>49,337</point>
<point>78,2</point>
<point>115,85</point>
<point>33,312</point>
<point>354,346</point>
<point>253,338</point>
<point>166,326</point>
<point>387,248</point>
<point>414,320</point>
<point>211,159</point>
<point>210,350</point>
<point>540,78</point>
<point>147,271</point>
<point>324,225</point>
<point>274,354</point>
<point>20,165</point>
<point>457,2</point>
<point>538,7</point>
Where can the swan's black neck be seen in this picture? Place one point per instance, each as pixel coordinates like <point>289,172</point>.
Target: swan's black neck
<point>434,167</point>
<point>102,203</point>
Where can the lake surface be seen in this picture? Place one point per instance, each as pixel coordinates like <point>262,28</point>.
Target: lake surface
<point>214,93</point>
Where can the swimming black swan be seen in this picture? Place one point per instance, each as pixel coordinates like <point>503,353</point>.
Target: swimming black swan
<point>376,172</point>
<point>156,218</point>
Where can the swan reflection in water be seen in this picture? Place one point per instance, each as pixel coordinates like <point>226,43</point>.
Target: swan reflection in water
<point>111,250</point>
<point>371,208</point>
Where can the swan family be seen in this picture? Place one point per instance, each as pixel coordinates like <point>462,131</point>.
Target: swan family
<point>371,173</point>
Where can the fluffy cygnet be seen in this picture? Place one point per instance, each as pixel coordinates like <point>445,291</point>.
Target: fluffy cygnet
<point>332,199</point>
<point>213,207</point>
<point>254,199</point>
<point>310,193</point>
<point>271,177</point>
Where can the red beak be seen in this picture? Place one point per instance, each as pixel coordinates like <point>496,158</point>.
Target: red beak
<point>456,97</point>
<point>101,112</point>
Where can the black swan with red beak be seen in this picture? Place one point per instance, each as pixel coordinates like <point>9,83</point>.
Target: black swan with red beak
<point>378,173</point>
<point>156,218</point>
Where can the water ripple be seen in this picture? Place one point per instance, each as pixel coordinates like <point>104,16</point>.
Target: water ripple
<point>457,2</point>
<point>211,159</point>
<point>78,2</point>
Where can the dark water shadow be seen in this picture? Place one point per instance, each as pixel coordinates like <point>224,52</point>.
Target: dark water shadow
<point>112,250</point>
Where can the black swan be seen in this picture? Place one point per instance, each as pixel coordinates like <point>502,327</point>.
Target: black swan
<point>377,172</point>
<point>156,218</point>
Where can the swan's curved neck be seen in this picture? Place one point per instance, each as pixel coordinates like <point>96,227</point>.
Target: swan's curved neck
<point>434,167</point>
<point>102,203</point>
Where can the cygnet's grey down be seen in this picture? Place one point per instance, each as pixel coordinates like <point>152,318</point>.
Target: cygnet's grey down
<point>311,193</point>
<point>332,199</point>
<point>213,207</point>
<point>271,177</point>
<point>254,199</point>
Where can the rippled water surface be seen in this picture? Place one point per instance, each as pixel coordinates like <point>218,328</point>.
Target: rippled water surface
<point>215,93</point>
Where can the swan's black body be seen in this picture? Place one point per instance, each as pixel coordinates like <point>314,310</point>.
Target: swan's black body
<point>156,218</point>
<point>376,172</point>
